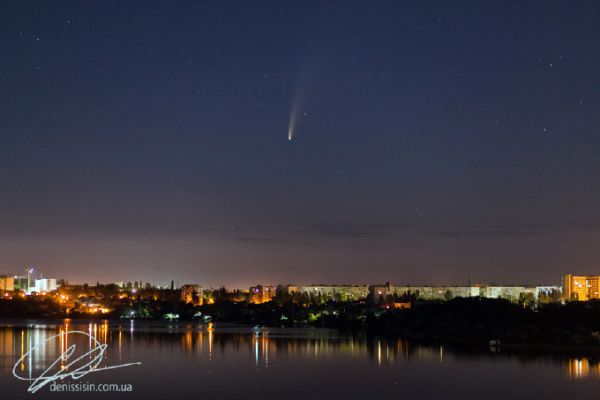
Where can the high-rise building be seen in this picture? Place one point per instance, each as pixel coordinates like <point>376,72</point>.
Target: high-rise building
<point>191,294</point>
<point>7,283</point>
<point>262,294</point>
<point>581,287</point>
<point>21,283</point>
<point>45,285</point>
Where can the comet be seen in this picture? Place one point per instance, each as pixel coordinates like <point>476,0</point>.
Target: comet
<point>303,89</point>
<point>293,118</point>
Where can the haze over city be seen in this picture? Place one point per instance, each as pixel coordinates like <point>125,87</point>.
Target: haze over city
<point>300,142</point>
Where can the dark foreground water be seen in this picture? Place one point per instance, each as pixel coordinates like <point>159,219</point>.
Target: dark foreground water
<point>186,360</point>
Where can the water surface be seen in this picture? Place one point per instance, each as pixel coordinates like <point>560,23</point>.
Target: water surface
<point>234,362</point>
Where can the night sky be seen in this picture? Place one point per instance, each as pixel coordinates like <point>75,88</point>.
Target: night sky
<point>431,140</point>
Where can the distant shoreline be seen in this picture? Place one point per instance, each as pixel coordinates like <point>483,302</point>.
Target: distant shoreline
<point>473,321</point>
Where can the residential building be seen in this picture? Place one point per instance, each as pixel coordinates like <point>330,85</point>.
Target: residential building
<point>546,290</point>
<point>288,290</point>
<point>262,294</point>
<point>437,292</point>
<point>45,285</point>
<point>7,283</point>
<point>338,292</point>
<point>511,293</point>
<point>191,293</point>
<point>581,287</point>
<point>21,283</point>
<point>379,292</point>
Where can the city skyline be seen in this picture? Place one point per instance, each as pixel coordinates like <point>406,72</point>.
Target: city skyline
<point>33,276</point>
<point>237,143</point>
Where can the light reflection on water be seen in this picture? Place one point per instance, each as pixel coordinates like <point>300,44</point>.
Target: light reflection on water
<point>208,339</point>
<point>582,367</point>
<point>226,360</point>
